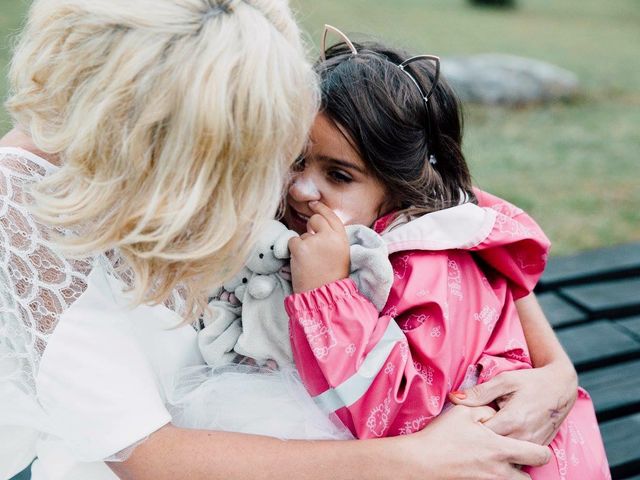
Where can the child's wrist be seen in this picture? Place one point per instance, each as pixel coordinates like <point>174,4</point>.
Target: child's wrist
<point>315,283</point>
<point>320,297</point>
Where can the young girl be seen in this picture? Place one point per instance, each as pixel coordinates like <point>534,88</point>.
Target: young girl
<point>385,151</point>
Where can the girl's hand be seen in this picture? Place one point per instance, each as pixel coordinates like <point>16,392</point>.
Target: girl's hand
<point>321,255</point>
<point>533,403</point>
<point>457,445</point>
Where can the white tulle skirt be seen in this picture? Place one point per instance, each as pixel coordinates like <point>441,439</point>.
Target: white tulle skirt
<point>247,399</point>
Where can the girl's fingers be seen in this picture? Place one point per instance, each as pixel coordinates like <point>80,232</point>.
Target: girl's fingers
<point>317,223</point>
<point>330,216</point>
<point>295,243</point>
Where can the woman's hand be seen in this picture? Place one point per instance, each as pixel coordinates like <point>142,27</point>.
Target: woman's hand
<point>457,445</point>
<point>533,403</point>
<point>321,255</point>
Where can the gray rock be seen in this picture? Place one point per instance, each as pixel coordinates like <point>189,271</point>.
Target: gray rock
<point>501,79</point>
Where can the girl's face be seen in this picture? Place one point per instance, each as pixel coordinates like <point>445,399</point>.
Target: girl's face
<point>332,172</point>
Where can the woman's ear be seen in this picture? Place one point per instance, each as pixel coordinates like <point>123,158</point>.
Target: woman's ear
<point>281,245</point>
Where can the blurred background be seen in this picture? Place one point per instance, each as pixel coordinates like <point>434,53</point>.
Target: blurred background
<point>552,103</point>
<point>562,143</point>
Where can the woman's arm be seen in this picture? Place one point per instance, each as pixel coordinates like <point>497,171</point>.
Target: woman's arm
<point>544,347</point>
<point>524,412</point>
<point>456,446</point>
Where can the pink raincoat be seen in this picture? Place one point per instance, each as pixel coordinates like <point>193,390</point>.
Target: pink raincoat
<point>450,315</point>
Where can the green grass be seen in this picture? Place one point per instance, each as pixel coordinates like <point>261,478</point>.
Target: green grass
<point>572,165</point>
<point>11,17</point>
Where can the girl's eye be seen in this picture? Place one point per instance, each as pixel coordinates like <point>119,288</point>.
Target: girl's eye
<point>339,176</point>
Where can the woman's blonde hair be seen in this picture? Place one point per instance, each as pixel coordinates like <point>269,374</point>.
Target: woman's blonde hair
<point>175,122</point>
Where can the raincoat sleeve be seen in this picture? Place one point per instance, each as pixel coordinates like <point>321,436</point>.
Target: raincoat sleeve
<point>389,374</point>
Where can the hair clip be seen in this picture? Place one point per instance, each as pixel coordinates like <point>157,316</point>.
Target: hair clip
<point>432,159</point>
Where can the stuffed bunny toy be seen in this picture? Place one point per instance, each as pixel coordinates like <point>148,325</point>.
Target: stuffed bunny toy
<point>222,323</point>
<point>248,316</point>
<point>265,332</point>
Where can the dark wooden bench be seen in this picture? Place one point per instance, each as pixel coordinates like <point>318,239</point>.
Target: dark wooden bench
<point>592,299</point>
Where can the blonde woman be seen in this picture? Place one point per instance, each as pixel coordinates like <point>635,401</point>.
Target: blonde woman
<point>151,138</point>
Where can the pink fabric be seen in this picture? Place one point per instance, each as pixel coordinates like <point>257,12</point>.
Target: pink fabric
<point>455,311</point>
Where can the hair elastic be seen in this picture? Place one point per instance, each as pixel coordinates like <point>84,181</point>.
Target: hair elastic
<point>215,10</point>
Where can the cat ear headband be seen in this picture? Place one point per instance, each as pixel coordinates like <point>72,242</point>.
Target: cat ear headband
<point>402,66</point>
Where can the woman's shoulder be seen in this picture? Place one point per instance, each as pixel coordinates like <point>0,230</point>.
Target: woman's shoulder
<point>22,235</point>
<point>37,281</point>
<point>16,162</point>
<point>20,170</point>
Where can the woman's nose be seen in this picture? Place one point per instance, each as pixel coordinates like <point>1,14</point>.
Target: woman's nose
<point>303,188</point>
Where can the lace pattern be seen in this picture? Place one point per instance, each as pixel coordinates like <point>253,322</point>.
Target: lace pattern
<point>37,284</point>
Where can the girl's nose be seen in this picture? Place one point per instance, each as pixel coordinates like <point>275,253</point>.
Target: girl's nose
<point>303,188</point>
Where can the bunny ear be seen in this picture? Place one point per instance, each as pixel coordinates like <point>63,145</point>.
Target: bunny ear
<point>281,245</point>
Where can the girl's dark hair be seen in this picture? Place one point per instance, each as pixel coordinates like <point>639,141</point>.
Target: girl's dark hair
<point>383,116</point>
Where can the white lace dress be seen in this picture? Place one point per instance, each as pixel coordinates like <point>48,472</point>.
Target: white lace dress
<point>81,373</point>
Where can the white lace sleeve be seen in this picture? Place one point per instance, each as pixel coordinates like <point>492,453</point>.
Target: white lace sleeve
<point>38,285</point>
<point>54,394</point>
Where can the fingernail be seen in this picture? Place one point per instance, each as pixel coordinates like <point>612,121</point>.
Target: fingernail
<point>313,203</point>
<point>459,395</point>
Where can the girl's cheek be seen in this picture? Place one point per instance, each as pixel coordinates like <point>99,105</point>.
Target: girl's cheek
<point>342,210</point>
<point>344,217</point>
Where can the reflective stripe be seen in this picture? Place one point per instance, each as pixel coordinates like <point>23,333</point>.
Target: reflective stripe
<point>349,391</point>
